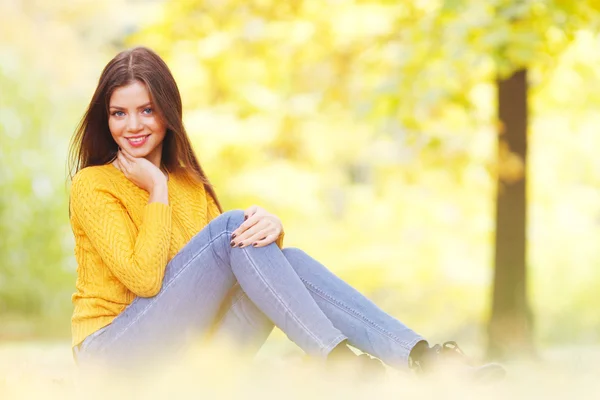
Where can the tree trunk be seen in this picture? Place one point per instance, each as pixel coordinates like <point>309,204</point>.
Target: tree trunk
<point>510,323</point>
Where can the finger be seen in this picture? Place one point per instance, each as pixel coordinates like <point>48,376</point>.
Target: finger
<point>123,162</point>
<point>263,233</point>
<point>248,233</point>
<point>266,241</point>
<point>245,225</point>
<point>128,156</point>
<point>251,211</point>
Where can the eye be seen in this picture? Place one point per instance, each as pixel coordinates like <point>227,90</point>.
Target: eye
<point>118,113</point>
<point>147,110</point>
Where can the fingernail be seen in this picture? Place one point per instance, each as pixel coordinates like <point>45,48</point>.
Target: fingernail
<point>242,245</point>
<point>233,236</point>
<point>232,243</point>
<point>245,217</point>
<point>254,244</point>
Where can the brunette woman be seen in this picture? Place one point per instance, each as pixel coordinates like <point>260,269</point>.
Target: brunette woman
<point>160,263</point>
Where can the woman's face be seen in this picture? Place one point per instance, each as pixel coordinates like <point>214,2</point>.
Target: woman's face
<point>134,122</point>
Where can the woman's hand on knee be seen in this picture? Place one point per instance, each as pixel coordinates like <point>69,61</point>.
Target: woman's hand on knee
<point>259,229</point>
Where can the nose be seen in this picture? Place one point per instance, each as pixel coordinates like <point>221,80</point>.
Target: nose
<point>134,124</point>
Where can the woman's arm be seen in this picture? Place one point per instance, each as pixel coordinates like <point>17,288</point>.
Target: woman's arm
<point>137,258</point>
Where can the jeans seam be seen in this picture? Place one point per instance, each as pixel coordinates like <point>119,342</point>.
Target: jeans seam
<point>287,308</point>
<point>370,324</point>
<point>142,312</point>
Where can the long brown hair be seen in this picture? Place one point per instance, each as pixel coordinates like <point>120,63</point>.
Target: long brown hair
<point>92,143</point>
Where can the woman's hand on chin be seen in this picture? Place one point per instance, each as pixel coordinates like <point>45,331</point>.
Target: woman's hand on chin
<point>140,171</point>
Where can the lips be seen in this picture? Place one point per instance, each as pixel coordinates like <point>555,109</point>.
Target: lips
<point>138,140</point>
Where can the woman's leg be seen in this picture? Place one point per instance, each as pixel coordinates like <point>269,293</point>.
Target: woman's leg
<point>367,327</point>
<point>196,282</point>
<point>241,323</point>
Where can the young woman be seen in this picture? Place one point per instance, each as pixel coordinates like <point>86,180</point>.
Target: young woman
<point>160,263</point>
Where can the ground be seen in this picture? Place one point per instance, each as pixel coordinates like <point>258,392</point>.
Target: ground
<point>35,370</point>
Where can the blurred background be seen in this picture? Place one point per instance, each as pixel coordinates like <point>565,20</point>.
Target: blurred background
<point>441,156</point>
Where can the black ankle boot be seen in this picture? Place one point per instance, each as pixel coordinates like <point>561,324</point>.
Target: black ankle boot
<point>425,359</point>
<point>364,364</point>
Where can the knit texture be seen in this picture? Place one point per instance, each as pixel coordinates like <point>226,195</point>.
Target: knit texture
<point>123,243</point>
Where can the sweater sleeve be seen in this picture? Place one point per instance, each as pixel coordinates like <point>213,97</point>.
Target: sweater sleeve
<point>137,258</point>
<point>279,240</point>
<point>213,212</point>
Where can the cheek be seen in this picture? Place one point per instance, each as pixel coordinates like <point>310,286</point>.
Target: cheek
<point>158,127</point>
<point>115,127</point>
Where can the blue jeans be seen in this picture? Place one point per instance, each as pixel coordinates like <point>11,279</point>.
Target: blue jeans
<point>243,293</point>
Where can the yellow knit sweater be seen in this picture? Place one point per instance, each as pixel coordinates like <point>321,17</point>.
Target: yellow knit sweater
<point>123,243</point>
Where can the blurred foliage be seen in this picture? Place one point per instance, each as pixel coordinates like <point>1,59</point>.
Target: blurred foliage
<point>369,127</point>
<point>45,79</point>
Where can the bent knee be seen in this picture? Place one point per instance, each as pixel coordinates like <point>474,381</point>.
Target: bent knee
<point>228,221</point>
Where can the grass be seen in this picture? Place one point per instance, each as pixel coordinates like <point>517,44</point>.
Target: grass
<point>46,370</point>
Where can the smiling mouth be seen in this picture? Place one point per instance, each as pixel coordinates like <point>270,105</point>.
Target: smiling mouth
<point>138,141</point>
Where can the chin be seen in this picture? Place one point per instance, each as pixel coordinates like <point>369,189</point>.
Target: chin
<point>139,152</point>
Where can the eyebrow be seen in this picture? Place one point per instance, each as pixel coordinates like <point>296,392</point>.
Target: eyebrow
<point>123,108</point>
